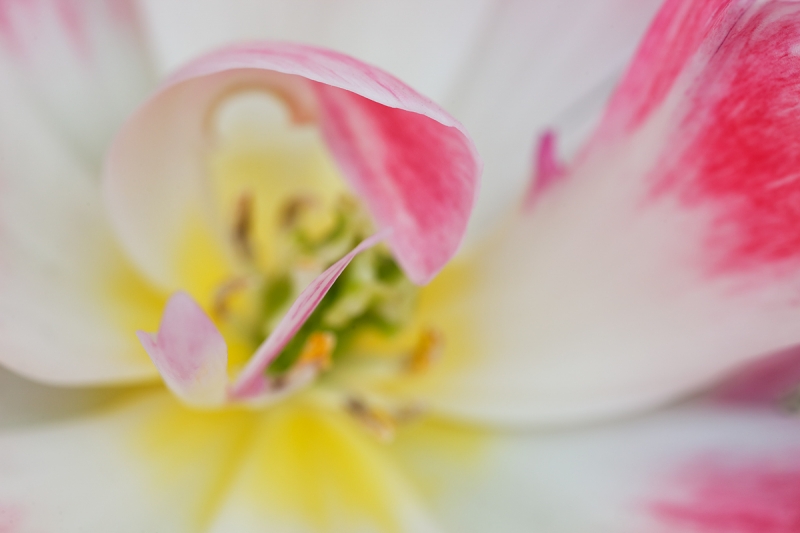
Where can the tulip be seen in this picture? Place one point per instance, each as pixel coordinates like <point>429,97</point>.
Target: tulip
<point>252,262</point>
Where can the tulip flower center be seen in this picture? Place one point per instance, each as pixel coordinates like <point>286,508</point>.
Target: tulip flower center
<point>287,216</point>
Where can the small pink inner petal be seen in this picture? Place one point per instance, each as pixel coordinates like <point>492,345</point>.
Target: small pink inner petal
<point>547,169</point>
<point>189,352</point>
<point>251,381</point>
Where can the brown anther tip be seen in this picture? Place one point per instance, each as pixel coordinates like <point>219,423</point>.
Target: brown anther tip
<point>408,413</point>
<point>378,422</point>
<point>222,295</point>
<point>243,224</point>
<point>318,350</point>
<point>293,208</point>
<point>428,350</point>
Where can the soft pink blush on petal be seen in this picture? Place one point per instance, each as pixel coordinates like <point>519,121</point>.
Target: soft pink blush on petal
<point>679,31</point>
<point>189,352</point>
<point>751,174</point>
<point>413,164</point>
<point>713,496</point>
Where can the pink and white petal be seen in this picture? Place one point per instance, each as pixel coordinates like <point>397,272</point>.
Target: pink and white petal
<point>538,65</point>
<point>190,353</point>
<point>84,65</point>
<point>68,294</point>
<point>375,125</point>
<point>423,43</point>
<point>694,469</point>
<point>146,464</point>
<point>666,256</point>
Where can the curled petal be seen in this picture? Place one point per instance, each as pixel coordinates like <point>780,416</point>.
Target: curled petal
<point>377,129</point>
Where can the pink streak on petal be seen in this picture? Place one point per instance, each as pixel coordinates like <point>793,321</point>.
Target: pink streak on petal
<point>744,155</point>
<point>766,382</point>
<point>414,165</point>
<point>679,30</point>
<point>415,176</point>
<point>714,497</point>
<point>29,13</point>
<point>189,352</point>
<point>250,382</point>
<point>547,169</point>
<point>11,517</point>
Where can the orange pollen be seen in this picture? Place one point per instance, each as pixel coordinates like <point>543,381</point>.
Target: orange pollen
<point>428,350</point>
<point>318,350</point>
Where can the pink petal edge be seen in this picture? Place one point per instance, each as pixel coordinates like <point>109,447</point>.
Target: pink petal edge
<point>412,163</point>
<point>189,352</point>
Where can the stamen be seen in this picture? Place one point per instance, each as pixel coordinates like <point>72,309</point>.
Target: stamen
<point>294,207</point>
<point>409,413</point>
<point>318,350</point>
<point>377,421</point>
<point>428,350</point>
<point>220,304</point>
<point>243,225</point>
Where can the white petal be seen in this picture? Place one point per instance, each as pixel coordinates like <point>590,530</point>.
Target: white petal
<point>82,64</point>
<point>422,42</point>
<point>25,403</point>
<point>150,465</point>
<point>310,470</point>
<point>540,64</point>
<point>130,468</point>
<point>70,303</point>
<point>697,469</point>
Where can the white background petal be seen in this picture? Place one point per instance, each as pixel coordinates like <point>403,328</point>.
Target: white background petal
<point>82,64</point>
<point>25,403</point>
<point>619,478</point>
<point>136,466</point>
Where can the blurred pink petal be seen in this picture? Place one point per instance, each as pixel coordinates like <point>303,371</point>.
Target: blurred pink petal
<point>190,353</point>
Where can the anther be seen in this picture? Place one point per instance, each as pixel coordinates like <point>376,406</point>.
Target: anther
<point>428,350</point>
<point>378,422</point>
<point>293,209</point>
<point>243,225</point>
<point>317,350</point>
<point>222,296</point>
